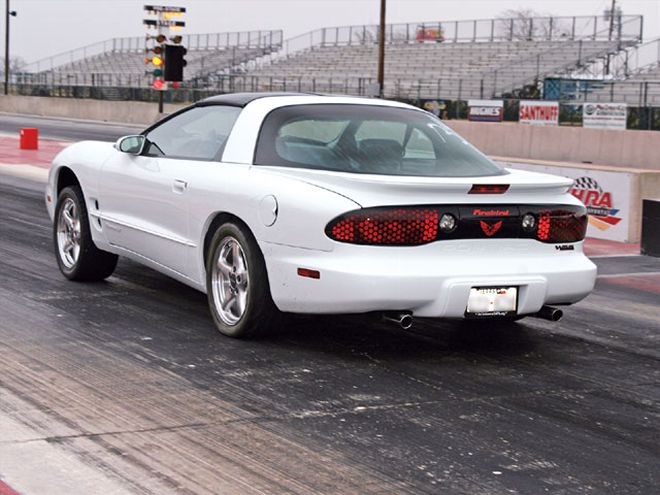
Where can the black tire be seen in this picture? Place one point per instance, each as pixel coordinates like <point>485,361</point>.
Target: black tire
<point>91,263</point>
<point>259,315</point>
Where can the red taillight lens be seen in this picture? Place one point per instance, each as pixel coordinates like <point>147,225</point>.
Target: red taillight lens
<point>561,226</point>
<point>489,189</point>
<point>386,227</point>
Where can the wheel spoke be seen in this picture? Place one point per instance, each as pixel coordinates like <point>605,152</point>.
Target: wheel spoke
<point>240,302</point>
<point>68,245</point>
<point>236,256</point>
<point>223,266</point>
<point>228,303</point>
<point>68,219</point>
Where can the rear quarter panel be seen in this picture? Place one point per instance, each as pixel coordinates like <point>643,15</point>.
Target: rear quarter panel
<point>303,210</point>
<point>85,160</point>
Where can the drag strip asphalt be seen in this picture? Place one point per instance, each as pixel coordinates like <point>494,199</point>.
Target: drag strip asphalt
<point>67,129</point>
<point>130,379</point>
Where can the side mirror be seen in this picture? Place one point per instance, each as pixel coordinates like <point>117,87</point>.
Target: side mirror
<point>133,145</point>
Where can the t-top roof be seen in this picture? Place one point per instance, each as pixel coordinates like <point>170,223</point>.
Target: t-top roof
<point>242,99</point>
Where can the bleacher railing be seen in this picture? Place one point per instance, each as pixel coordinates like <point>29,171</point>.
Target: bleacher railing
<point>135,44</point>
<point>626,27</point>
<point>445,89</point>
<point>636,60</point>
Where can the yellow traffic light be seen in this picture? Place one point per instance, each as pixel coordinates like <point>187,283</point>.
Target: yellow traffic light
<point>157,61</point>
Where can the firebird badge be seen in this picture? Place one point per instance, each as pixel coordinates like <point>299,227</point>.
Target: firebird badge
<point>490,230</point>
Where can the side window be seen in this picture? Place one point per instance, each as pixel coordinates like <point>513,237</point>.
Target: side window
<point>198,134</point>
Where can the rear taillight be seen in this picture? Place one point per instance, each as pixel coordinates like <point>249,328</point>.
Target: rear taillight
<point>562,225</point>
<point>415,225</point>
<point>409,226</point>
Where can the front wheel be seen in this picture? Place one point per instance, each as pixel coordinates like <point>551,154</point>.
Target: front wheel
<point>237,284</point>
<point>77,256</point>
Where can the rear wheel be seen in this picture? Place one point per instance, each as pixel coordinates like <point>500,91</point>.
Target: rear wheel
<point>237,284</point>
<point>77,256</point>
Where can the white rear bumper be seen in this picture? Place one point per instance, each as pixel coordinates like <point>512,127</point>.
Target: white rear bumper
<point>433,280</point>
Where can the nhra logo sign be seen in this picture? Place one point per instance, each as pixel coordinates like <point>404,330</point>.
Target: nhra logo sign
<point>598,202</point>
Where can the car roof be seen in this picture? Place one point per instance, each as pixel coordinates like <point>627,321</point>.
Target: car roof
<point>242,99</point>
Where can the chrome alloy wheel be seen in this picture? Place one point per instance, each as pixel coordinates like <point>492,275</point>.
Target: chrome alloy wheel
<point>68,233</point>
<point>230,281</point>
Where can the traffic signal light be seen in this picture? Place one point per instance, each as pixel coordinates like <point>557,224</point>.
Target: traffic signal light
<point>174,62</point>
<point>155,56</point>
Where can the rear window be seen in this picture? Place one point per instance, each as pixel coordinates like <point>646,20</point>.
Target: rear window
<point>367,140</point>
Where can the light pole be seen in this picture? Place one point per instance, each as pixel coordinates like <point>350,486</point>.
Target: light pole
<point>381,49</point>
<point>8,13</point>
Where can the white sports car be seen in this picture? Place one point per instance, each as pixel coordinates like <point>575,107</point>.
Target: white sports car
<point>298,203</point>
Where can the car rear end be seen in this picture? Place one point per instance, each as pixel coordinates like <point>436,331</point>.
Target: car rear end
<point>469,256</point>
<point>438,229</point>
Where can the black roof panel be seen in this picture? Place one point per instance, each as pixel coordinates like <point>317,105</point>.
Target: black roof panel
<point>242,99</point>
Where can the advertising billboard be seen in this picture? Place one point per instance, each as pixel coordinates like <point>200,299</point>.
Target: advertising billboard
<point>605,115</point>
<point>606,194</point>
<point>539,112</point>
<point>485,110</point>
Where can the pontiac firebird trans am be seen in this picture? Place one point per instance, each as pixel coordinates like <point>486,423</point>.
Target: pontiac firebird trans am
<point>298,203</point>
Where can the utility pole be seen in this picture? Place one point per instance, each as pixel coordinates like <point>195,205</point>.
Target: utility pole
<point>381,49</point>
<point>8,13</point>
<point>612,14</point>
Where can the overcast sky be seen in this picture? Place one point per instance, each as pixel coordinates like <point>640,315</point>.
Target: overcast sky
<point>48,27</point>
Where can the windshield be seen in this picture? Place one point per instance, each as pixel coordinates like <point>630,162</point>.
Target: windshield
<point>368,140</point>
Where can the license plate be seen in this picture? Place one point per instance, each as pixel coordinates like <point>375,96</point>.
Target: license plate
<point>492,301</point>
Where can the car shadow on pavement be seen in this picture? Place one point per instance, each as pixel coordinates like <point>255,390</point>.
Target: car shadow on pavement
<point>339,334</point>
<point>425,339</point>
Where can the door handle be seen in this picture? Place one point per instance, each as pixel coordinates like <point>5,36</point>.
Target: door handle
<point>179,186</point>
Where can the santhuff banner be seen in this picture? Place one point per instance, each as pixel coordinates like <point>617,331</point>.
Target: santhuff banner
<point>539,112</point>
<point>485,110</point>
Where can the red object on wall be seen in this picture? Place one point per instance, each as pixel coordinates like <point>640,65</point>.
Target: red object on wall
<point>29,138</point>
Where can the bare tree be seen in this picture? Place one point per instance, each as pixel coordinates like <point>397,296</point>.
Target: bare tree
<point>16,64</point>
<point>527,24</point>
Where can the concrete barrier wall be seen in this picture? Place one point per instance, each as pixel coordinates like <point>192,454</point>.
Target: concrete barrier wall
<point>637,149</point>
<point>125,112</point>
<point>613,195</point>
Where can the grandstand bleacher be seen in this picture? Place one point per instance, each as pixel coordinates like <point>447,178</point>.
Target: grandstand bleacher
<point>636,77</point>
<point>441,60</point>
<point>121,61</point>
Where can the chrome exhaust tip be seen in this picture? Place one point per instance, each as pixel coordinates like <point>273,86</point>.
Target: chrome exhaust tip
<point>550,313</point>
<point>403,319</point>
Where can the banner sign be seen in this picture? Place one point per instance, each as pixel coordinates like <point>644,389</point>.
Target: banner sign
<point>539,112</point>
<point>604,115</point>
<point>485,110</point>
<point>430,34</point>
<point>435,107</point>
<point>607,196</point>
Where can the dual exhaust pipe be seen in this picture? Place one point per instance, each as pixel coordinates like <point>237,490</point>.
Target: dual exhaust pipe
<point>405,318</point>
<point>549,313</point>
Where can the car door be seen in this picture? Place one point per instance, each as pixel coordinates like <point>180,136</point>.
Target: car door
<point>143,198</point>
